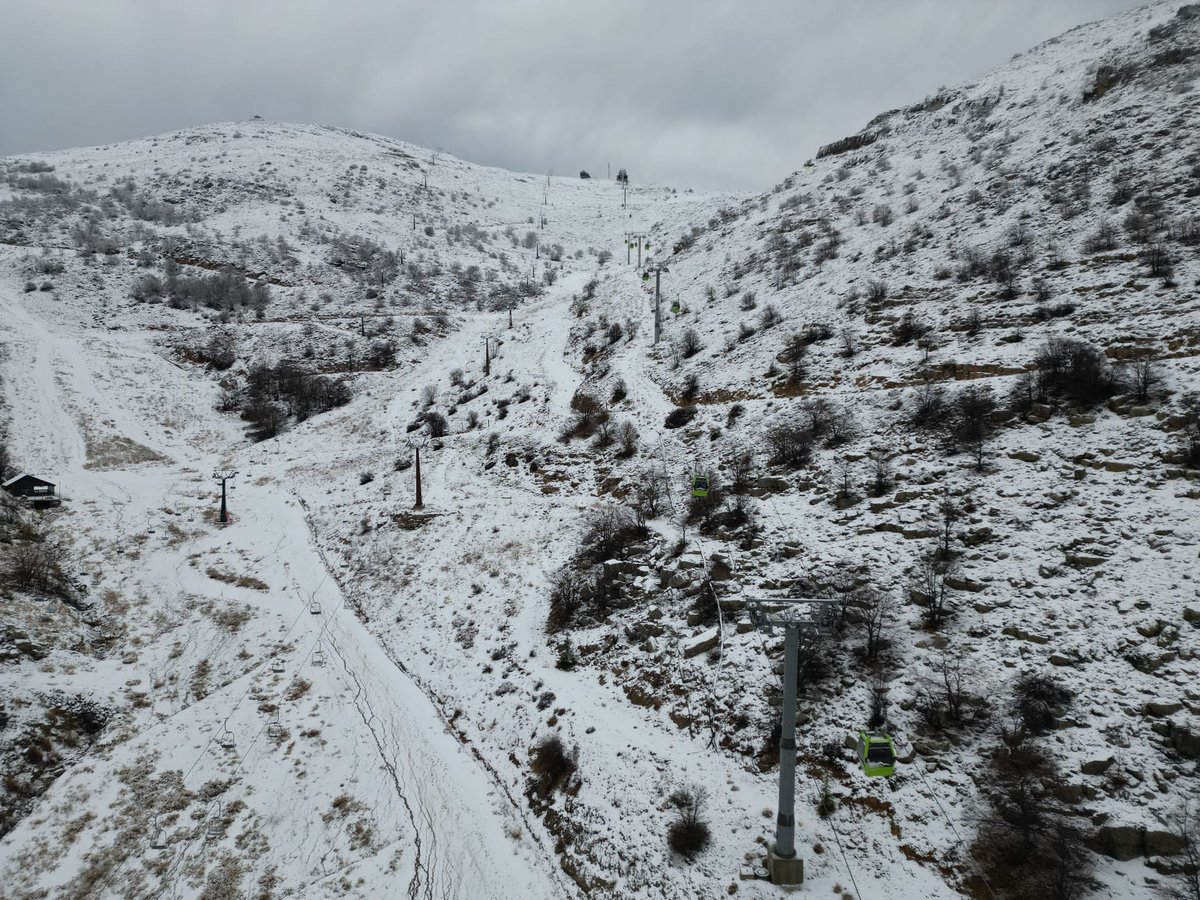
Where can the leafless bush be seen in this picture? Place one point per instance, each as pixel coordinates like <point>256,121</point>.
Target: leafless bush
<point>552,764</point>
<point>689,343</point>
<point>688,835</point>
<point>930,591</point>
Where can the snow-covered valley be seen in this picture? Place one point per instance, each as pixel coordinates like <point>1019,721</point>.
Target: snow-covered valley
<point>944,376</point>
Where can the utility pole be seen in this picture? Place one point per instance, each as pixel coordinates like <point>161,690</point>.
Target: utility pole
<point>223,477</point>
<point>416,446</point>
<point>782,862</point>
<point>657,269</point>
<point>640,237</point>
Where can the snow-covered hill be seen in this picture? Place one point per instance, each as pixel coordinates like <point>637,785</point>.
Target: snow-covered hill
<point>944,374</point>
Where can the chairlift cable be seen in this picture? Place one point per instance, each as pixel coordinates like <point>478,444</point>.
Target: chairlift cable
<point>950,822</point>
<point>842,850</point>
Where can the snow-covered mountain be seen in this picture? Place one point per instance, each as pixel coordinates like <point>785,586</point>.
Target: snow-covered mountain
<point>945,375</point>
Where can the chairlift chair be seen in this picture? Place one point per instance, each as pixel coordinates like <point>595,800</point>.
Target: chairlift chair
<point>315,608</point>
<point>318,657</point>
<point>158,838</point>
<point>277,665</point>
<point>215,826</point>
<point>877,754</point>
<point>225,738</point>
<point>699,485</point>
<point>274,729</point>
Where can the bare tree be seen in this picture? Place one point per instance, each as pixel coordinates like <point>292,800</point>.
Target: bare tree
<point>1186,824</point>
<point>741,471</point>
<point>879,703</point>
<point>876,609</point>
<point>950,512</point>
<point>688,835</point>
<point>627,434</point>
<point>929,589</point>
<point>849,342</point>
<point>1145,375</point>
<point>880,471</point>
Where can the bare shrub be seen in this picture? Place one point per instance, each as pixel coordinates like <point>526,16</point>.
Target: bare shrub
<point>552,765</point>
<point>688,835</point>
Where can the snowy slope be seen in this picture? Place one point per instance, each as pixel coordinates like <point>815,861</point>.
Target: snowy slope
<point>384,673</point>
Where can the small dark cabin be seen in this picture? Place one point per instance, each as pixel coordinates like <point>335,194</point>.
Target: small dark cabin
<point>36,491</point>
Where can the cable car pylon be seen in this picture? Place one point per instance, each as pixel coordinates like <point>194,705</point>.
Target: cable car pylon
<point>793,616</point>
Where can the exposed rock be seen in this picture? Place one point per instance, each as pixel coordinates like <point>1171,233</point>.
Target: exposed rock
<point>1023,635</point>
<point>1162,708</point>
<point>1121,842</point>
<point>1025,456</point>
<point>963,583</point>
<point>1096,766</point>
<point>701,643</point>
<point>1084,560</point>
<point>770,484</point>
<point>1151,629</point>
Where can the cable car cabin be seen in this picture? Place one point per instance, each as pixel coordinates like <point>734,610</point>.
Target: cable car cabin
<point>877,754</point>
<point>675,306</point>
<point>699,485</point>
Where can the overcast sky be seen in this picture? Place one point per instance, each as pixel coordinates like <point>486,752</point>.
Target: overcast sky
<point>691,93</point>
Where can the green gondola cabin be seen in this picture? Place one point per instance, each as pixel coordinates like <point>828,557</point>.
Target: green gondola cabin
<point>699,485</point>
<point>877,754</point>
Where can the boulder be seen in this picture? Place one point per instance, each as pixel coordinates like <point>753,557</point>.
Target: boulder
<point>1121,842</point>
<point>1162,708</point>
<point>1022,635</point>
<point>770,484</point>
<point>701,643</point>
<point>1151,629</point>
<point>1095,766</point>
<point>1025,455</point>
<point>963,583</point>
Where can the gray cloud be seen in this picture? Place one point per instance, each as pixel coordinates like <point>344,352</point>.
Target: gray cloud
<point>701,93</point>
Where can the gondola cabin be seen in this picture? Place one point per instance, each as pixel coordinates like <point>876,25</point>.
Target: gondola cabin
<point>699,485</point>
<point>33,490</point>
<point>876,754</point>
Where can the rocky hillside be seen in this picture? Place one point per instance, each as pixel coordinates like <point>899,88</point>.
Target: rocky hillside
<point>944,376</point>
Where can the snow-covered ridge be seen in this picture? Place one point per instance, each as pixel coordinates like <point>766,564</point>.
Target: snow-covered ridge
<point>339,695</point>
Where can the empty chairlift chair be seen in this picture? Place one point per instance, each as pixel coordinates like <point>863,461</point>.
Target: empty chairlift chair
<point>225,738</point>
<point>274,729</point>
<point>318,657</point>
<point>315,608</point>
<point>215,827</point>
<point>158,837</point>
<point>877,754</point>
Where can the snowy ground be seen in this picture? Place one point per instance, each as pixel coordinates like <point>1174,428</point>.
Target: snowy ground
<point>383,674</point>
